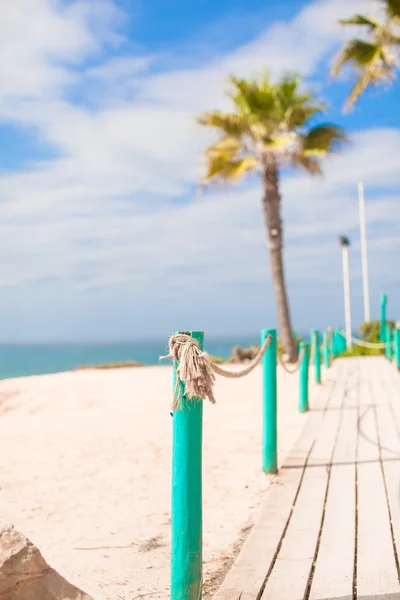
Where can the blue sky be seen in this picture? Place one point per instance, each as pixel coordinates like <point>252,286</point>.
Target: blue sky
<point>103,236</point>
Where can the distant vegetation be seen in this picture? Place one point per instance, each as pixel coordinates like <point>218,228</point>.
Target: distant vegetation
<point>369,332</point>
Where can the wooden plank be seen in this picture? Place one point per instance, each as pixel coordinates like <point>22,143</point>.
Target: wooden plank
<point>368,449</point>
<point>246,578</point>
<point>388,417</point>
<point>333,576</point>
<point>289,577</point>
<point>376,567</point>
<point>248,573</point>
<point>386,414</point>
<point>288,560</point>
<point>391,383</point>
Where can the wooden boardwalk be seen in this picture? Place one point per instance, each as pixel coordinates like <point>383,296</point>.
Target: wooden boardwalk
<point>330,527</point>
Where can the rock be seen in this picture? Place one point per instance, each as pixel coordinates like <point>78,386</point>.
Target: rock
<point>240,354</point>
<point>25,575</point>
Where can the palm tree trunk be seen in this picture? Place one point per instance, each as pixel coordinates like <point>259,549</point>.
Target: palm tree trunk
<point>273,225</point>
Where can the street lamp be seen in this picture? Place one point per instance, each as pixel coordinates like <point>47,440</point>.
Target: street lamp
<point>345,243</point>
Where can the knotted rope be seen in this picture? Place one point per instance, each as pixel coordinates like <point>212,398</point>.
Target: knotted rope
<point>197,370</point>
<point>297,364</point>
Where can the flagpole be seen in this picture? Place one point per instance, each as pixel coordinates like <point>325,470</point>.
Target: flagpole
<point>364,256</point>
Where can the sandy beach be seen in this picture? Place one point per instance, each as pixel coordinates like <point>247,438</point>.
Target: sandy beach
<point>85,469</point>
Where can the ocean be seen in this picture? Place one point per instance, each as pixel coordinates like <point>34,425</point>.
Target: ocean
<point>20,360</point>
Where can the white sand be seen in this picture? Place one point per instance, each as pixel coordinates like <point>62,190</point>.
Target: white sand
<point>85,462</point>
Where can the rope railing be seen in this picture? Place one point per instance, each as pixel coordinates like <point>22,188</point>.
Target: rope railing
<point>197,370</point>
<point>193,382</point>
<point>296,365</point>
<point>363,343</point>
<point>194,379</point>
<point>195,375</point>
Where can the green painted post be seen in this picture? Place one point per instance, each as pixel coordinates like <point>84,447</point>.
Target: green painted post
<point>317,354</point>
<point>327,356</point>
<point>388,343</point>
<point>269,434</point>
<point>330,343</point>
<point>342,342</point>
<point>396,336</point>
<point>382,331</point>
<point>186,513</point>
<point>303,396</point>
<point>335,349</point>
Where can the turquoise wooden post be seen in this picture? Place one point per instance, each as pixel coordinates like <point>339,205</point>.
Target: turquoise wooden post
<point>317,354</point>
<point>382,331</point>
<point>269,434</point>
<point>388,343</point>
<point>327,357</point>
<point>303,395</point>
<point>396,337</point>
<point>330,343</point>
<point>335,350</point>
<point>342,342</point>
<point>186,513</point>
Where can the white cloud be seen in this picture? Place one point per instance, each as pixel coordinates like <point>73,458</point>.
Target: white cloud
<point>116,206</point>
<point>38,39</point>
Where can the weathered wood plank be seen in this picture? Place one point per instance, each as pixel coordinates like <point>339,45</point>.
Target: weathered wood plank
<point>289,577</point>
<point>376,566</point>
<point>333,576</point>
<point>388,420</point>
<point>277,559</point>
<point>368,449</point>
<point>246,578</point>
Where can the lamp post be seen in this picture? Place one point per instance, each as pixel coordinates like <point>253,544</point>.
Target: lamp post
<point>364,257</point>
<point>345,243</point>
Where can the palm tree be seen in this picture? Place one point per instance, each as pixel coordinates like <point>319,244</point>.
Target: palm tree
<point>375,60</point>
<point>267,130</point>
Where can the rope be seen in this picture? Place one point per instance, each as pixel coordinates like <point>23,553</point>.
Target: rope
<point>296,366</point>
<point>197,370</point>
<point>363,343</point>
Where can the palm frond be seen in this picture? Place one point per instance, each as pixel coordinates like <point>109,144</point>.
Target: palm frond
<point>358,52</point>
<point>309,163</point>
<point>280,144</point>
<point>222,167</point>
<point>361,20</point>
<point>358,88</point>
<point>377,73</point>
<point>231,124</point>
<point>297,115</point>
<point>227,144</point>
<point>393,8</point>
<point>322,140</point>
<point>255,98</point>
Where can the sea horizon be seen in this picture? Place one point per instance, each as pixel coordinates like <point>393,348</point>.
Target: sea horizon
<point>23,359</point>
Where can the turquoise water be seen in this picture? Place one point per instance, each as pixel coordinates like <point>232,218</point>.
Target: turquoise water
<point>38,359</point>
